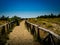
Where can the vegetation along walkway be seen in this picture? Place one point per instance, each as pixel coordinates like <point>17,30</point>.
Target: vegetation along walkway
<point>20,36</point>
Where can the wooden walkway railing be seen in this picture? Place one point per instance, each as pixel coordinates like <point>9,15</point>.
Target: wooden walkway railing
<point>5,30</point>
<point>43,35</point>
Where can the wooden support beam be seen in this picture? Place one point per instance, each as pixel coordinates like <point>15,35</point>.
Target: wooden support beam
<point>3,30</point>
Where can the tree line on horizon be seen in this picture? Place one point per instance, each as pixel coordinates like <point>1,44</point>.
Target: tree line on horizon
<point>9,19</point>
<point>16,17</point>
<point>49,16</point>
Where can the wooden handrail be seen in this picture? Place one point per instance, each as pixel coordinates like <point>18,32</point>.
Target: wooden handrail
<point>46,30</point>
<point>5,29</point>
<point>50,37</point>
<point>6,24</point>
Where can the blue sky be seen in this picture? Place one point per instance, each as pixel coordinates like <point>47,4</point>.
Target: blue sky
<point>29,8</point>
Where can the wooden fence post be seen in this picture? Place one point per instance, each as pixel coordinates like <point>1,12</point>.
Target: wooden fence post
<point>29,26</point>
<point>3,30</point>
<point>48,39</point>
<point>33,30</point>
<point>7,28</point>
<point>53,42</point>
<point>17,23</point>
<point>11,25</point>
<point>38,34</point>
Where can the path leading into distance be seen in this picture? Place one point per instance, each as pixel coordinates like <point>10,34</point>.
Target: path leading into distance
<point>21,36</point>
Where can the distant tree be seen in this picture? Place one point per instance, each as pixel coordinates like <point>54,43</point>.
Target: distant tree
<point>7,18</point>
<point>15,17</point>
<point>48,16</point>
<point>4,18</point>
<point>58,15</point>
<point>52,16</point>
<point>38,17</point>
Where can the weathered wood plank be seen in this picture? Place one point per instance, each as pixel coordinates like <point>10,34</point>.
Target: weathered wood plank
<point>46,30</point>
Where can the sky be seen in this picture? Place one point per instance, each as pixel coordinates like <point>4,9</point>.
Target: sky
<point>29,8</point>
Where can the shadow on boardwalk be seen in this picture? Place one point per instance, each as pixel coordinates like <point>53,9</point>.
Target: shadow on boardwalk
<point>20,36</point>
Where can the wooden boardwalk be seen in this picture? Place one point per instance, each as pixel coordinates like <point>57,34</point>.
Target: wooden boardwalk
<point>20,36</point>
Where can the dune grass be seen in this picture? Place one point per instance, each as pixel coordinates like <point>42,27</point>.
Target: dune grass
<point>2,22</point>
<point>52,24</point>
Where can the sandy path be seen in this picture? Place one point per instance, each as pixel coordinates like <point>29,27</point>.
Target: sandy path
<point>20,36</point>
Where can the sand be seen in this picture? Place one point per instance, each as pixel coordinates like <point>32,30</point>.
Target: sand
<point>21,36</point>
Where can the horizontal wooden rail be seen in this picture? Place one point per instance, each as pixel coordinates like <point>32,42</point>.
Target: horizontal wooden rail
<point>51,35</point>
<point>6,23</point>
<point>46,30</point>
<point>5,29</point>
